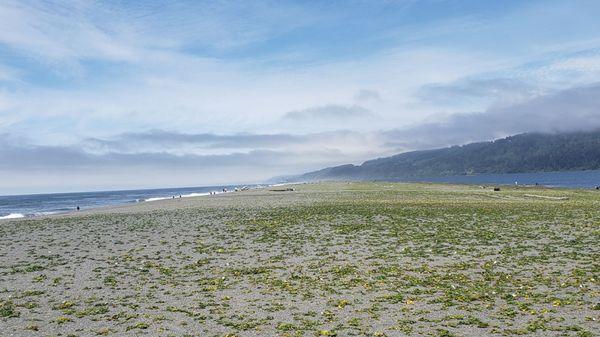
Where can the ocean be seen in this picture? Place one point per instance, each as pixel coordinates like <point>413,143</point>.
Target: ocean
<point>571,179</point>
<point>18,206</point>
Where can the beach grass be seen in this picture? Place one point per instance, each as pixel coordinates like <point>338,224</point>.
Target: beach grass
<point>328,259</point>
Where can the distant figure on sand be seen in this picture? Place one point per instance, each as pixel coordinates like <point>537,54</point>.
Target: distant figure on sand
<point>77,207</point>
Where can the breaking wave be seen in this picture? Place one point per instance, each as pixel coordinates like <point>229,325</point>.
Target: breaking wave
<point>13,216</point>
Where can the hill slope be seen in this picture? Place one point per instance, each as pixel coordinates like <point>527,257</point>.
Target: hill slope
<point>529,152</point>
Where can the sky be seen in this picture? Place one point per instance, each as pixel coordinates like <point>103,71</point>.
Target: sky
<point>100,95</point>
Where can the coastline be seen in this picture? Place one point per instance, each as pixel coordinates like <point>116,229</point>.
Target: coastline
<point>325,259</point>
<point>147,205</point>
<point>166,203</point>
<point>131,202</point>
<point>158,203</point>
<point>554,180</point>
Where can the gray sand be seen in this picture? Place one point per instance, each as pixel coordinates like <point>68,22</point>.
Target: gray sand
<point>327,259</point>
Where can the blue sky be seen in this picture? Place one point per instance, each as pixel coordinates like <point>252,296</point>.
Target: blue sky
<point>118,94</point>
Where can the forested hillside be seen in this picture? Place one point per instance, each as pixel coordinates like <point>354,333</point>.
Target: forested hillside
<point>530,152</point>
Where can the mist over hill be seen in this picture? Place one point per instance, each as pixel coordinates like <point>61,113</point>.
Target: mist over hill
<point>528,152</point>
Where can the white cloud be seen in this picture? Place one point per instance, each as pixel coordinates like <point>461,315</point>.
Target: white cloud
<point>92,74</point>
<point>60,33</point>
<point>327,112</point>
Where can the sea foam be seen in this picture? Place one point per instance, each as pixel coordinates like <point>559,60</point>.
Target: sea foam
<point>13,216</point>
<point>182,196</point>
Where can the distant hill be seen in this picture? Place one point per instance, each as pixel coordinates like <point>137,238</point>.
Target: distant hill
<point>528,152</point>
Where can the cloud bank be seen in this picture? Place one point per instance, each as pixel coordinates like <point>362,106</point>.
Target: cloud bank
<point>261,156</point>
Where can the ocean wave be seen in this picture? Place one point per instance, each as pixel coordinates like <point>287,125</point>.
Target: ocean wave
<point>157,198</point>
<point>46,213</point>
<point>191,195</point>
<point>195,195</point>
<point>13,216</point>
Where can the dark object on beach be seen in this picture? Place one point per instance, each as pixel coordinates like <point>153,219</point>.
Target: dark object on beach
<point>289,189</point>
<point>77,207</point>
<point>496,189</point>
<point>598,187</point>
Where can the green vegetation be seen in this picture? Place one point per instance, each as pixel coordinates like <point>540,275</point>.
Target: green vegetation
<point>521,153</point>
<point>7,309</point>
<point>336,259</point>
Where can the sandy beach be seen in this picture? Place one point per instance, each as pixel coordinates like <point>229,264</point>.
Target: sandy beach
<point>345,259</point>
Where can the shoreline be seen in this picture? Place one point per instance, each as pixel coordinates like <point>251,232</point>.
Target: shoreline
<point>326,259</point>
<point>169,202</point>
<point>12,215</point>
<point>125,204</point>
